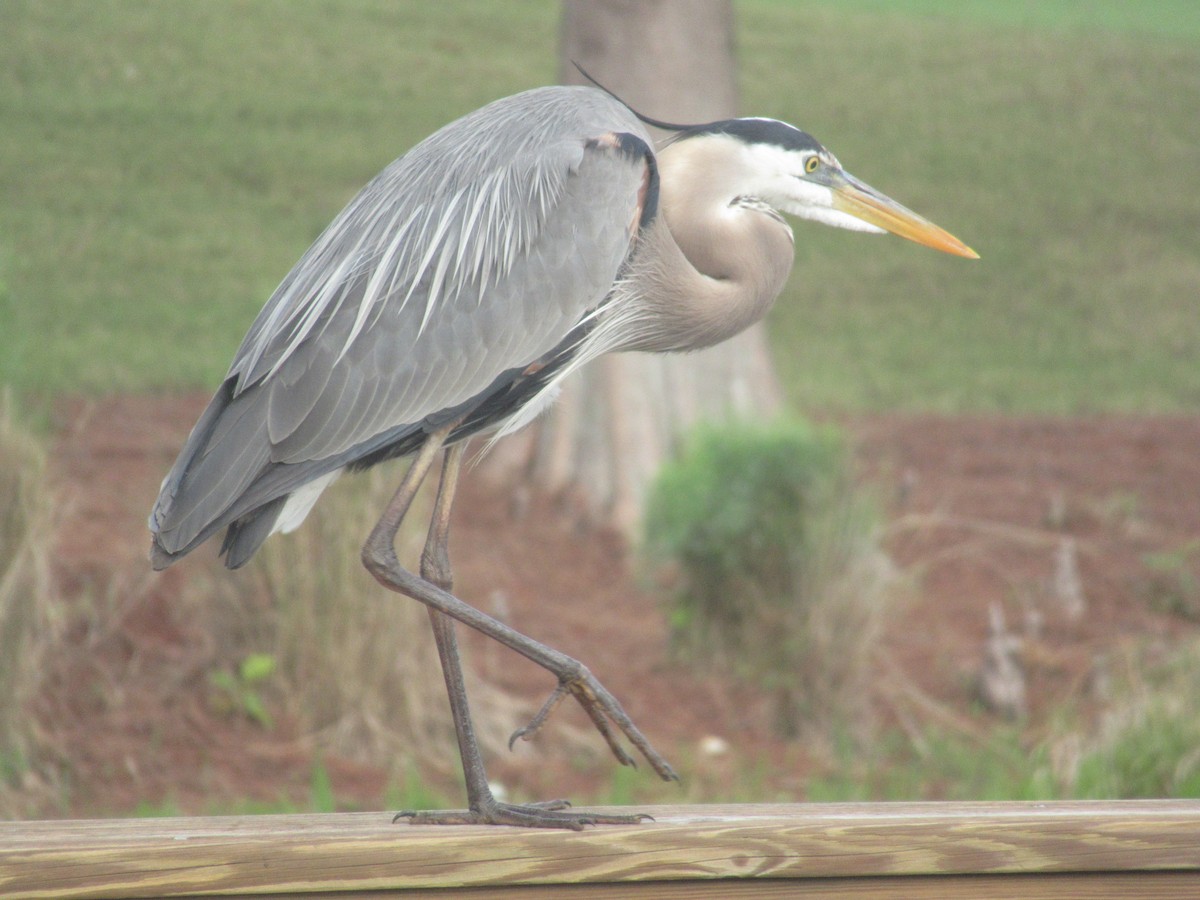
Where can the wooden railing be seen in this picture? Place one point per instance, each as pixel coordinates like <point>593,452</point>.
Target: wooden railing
<point>880,851</point>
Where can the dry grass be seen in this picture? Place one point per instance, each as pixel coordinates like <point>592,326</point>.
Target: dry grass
<point>357,664</point>
<point>30,619</point>
<point>1146,742</point>
<point>351,665</point>
<point>853,585</point>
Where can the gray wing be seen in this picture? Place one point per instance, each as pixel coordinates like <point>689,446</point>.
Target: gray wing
<point>474,253</point>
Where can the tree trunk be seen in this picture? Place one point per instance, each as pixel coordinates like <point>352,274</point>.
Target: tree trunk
<point>620,418</point>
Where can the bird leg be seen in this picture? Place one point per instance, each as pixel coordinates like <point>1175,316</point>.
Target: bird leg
<point>432,588</point>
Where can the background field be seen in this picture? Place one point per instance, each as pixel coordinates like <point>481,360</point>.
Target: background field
<point>163,164</point>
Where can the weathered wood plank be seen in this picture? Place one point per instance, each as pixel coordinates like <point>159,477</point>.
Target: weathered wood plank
<point>787,848</point>
<point>1091,886</point>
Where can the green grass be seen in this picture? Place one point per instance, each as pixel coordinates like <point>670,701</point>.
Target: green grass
<point>1064,159</point>
<point>409,793</point>
<point>1169,18</point>
<point>162,165</point>
<point>1143,745</point>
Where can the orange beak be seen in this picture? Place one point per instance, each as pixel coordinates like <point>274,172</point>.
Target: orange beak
<point>862,201</point>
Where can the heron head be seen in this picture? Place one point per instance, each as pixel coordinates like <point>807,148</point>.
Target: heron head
<point>790,171</point>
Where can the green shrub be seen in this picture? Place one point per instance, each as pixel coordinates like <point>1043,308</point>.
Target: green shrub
<point>780,577</point>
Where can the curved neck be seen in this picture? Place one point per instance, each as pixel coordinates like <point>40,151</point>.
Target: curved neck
<point>713,261</point>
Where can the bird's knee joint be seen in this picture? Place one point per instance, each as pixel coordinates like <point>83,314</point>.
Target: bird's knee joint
<point>378,559</point>
<point>574,673</point>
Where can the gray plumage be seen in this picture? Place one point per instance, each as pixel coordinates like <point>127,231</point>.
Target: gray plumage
<point>522,237</point>
<point>471,240</point>
<point>454,293</point>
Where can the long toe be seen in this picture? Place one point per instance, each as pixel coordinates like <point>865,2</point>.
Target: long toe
<point>605,712</point>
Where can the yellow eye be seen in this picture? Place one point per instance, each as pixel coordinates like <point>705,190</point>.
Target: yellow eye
<point>811,165</point>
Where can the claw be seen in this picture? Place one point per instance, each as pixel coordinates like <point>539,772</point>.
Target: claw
<point>540,717</point>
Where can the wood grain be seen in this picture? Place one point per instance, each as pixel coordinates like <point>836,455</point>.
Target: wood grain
<point>886,850</point>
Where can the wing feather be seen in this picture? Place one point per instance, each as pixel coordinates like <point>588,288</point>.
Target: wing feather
<point>475,253</point>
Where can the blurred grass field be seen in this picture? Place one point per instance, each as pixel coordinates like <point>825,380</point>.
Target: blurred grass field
<point>162,165</point>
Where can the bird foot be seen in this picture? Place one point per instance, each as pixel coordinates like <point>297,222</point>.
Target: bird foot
<point>601,707</point>
<point>547,814</point>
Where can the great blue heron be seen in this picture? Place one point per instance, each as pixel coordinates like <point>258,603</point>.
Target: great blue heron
<point>454,294</point>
